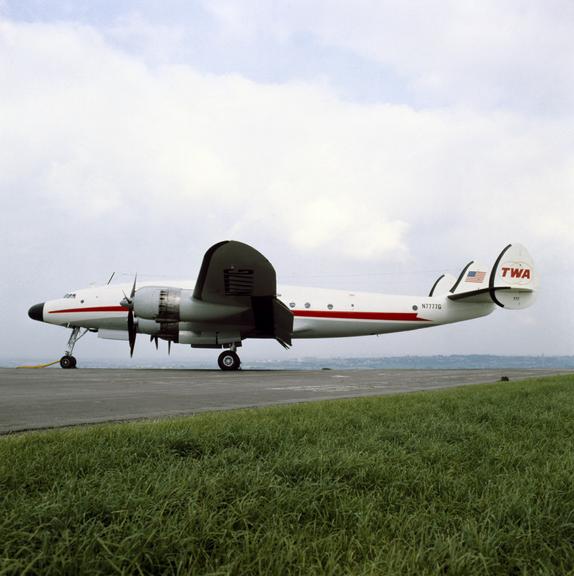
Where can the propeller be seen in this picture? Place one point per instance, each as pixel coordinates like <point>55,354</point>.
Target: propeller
<point>155,339</point>
<point>131,332</point>
<point>128,302</point>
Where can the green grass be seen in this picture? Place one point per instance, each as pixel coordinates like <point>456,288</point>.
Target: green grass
<point>475,480</point>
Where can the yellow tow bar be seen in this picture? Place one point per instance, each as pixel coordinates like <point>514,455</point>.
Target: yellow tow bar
<point>39,365</point>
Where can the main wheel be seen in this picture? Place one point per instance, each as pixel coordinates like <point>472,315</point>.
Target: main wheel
<point>67,362</point>
<point>229,360</point>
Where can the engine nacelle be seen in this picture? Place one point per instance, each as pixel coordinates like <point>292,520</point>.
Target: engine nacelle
<point>166,304</point>
<point>159,303</point>
<point>165,330</point>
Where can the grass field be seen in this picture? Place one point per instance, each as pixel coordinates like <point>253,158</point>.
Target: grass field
<point>475,480</point>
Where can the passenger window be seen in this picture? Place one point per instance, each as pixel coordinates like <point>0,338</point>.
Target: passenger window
<point>291,304</point>
<point>307,305</point>
<point>330,306</point>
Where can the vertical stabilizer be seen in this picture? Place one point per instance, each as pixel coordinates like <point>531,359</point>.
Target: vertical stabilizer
<point>442,285</point>
<point>511,283</point>
<point>473,277</point>
<point>513,279</point>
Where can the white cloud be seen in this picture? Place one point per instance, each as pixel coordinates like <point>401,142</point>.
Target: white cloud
<point>82,119</point>
<point>489,53</point>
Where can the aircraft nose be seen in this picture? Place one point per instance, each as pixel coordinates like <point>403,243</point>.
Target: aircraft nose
<point>36,312</point>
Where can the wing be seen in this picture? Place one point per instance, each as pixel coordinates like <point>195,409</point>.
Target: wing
<point>235,274</point>
<point>233,270</point>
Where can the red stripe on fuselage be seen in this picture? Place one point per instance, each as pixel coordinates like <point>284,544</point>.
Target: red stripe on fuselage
<point>331,314</point>
<point>90,309</point>
<point>339,315</point>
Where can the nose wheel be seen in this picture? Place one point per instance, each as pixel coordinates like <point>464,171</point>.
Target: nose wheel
<point>229,360</point>
<point>68,362</point>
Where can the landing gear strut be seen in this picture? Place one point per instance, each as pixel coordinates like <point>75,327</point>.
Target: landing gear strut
<point>67,360</point>
<point>229,360</point>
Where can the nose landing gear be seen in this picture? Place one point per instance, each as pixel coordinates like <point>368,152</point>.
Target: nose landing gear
<point>68,361</point>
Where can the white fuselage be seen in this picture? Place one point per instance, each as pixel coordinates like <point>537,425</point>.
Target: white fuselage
<point>318,313</point>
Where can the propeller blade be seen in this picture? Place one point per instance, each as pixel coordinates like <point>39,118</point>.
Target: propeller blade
<point>133,293</point>
<point>125,302</point>
<point>131,332</point>
<point>132,329</point>
<point>169,347</point>
<point>128,302</point>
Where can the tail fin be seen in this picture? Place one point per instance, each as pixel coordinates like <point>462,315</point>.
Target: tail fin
<point>513,280</point>
<point>511,283</point>
<point>442,285</point>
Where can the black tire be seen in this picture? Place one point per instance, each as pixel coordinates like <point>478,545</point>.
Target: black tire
<point>67,362</point>
<point>229,360</point>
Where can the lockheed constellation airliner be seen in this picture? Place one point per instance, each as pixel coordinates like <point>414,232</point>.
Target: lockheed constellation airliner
<point>236,297</point>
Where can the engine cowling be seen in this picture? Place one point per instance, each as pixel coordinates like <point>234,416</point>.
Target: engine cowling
<point>166,304</point>
<point>159,303</point>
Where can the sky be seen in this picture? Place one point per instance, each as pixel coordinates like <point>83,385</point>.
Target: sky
<point>366,145</point>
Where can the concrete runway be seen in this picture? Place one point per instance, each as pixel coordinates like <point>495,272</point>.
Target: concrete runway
<point>51,397</point>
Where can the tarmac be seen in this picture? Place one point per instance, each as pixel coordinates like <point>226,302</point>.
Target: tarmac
<point>52,397</point>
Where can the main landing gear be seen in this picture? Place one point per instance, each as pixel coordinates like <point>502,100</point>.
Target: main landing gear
<point>229,360</point>
<point>68,361</point>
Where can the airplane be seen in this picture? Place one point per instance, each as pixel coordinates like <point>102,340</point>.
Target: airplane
<point>235,297</point>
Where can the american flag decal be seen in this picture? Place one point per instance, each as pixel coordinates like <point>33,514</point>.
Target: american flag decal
<point>476,277</point>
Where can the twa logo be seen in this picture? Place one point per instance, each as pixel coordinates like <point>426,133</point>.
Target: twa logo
<point>516,272</point>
